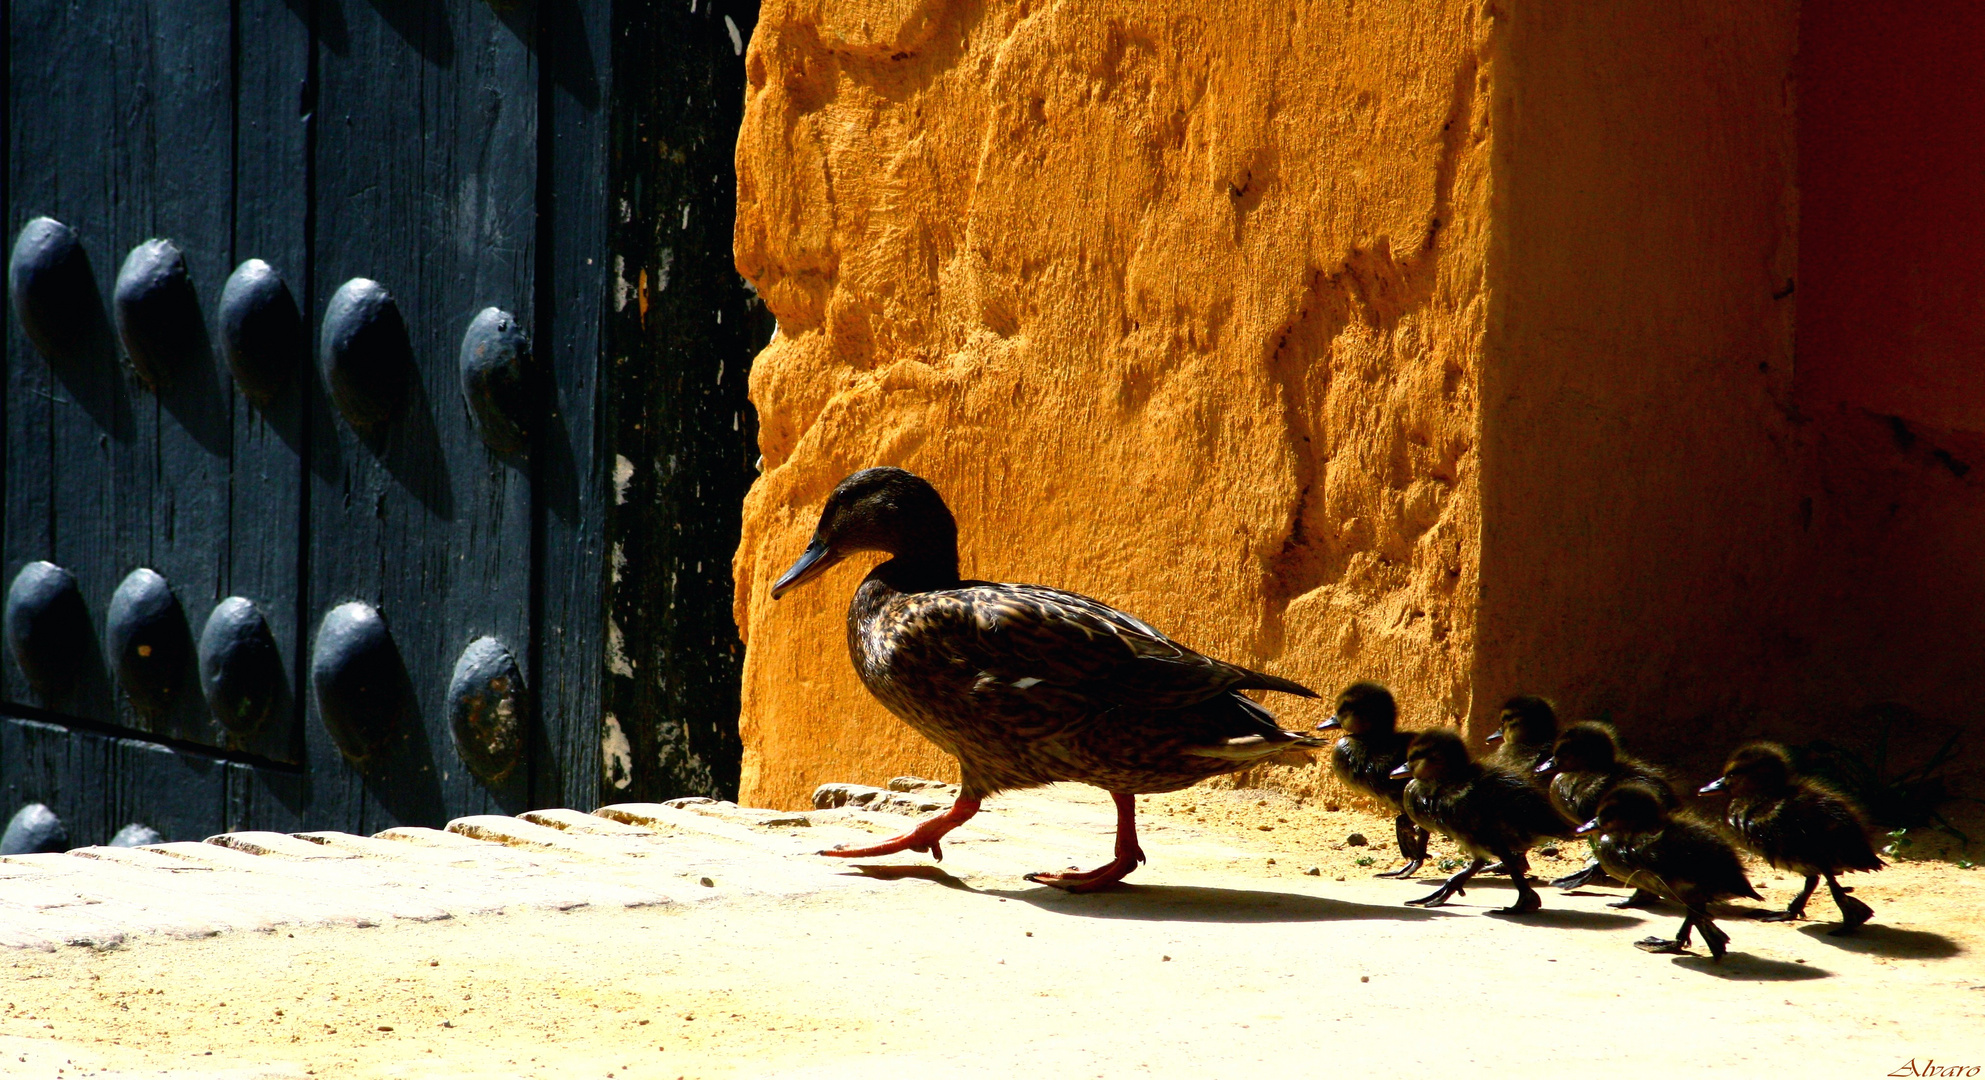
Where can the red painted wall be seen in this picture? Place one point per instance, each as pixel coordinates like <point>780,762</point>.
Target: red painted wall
<point>1891,287</point>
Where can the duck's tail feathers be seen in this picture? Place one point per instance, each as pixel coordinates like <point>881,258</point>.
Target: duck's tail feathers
<point>1251,747</point>
<point>1257,680</point>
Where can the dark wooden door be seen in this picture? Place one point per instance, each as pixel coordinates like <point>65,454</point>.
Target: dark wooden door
<point>274,561</point>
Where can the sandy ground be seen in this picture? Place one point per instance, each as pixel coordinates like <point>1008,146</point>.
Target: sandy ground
<point>1226,957</point>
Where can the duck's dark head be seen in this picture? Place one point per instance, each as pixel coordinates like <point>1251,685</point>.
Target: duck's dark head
<point>1527,721</point>
<point>1760,769</point>
<point>1628,808</point>
<point>889,510</point>
<point>1436,756</point>
<point>1364,708</point>
<point>1587,746</point>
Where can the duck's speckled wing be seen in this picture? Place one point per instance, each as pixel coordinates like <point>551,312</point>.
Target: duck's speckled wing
<point>1026,636</point>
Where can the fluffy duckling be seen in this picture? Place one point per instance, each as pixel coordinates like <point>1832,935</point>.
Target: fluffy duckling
<point>1526,730</point>
<point>1364,758</point>
<point>1645,843</point>
<point>1490,811</point>
<point>1024,684</point>
<point>1799,824</point>
<point>1583,766</point>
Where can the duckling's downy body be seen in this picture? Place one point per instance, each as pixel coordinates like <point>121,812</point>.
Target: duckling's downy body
<point>1524,735</point>
<point>1797,823</point>
<point>1584,765</point>
<point>1372,747</point>
<point>1027,685</point>
<point>1490,811</point>
<point>1644,842</point>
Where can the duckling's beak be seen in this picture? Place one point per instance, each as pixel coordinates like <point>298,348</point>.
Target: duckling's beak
<point>1549,764</point>
<point>1589,827</point>
<point>812,563</point>
<point>1714,786</point>
<point>1401,772</point>
<point>1330,723</point>
<point>1493,736</point>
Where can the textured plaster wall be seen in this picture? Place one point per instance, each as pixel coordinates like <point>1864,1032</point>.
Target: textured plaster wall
<point>1180,308</point>
<point>1640,461</point>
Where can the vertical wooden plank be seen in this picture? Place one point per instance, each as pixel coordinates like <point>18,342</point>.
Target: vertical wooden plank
<point>271,208</point>
<point>66,770</point>
<point>180,114</point>
<point>570,479</point>
<point>680,349</point>
<point>82,432</point>
<point>425,182</point>
<point>179,792</point>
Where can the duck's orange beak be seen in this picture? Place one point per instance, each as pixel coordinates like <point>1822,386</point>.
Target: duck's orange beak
<point>812,563</point>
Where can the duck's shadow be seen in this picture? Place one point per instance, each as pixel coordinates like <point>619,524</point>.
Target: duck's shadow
<point>1742,967</point>
<point>1570,919</point>
<point>1877,940</point>
<point>920,871</point>
<point>1192,903</point>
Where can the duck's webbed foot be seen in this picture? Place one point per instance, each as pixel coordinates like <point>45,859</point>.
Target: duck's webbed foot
<point>924,837</point>
<point>1128,856</point>
<point>1527,899</point>
<point>1660,945</point>
<point>1797,908</point>
<point>1852,912</point>
<point>1412,844</point>
<point>1639,898</point>
<point>1454,886</point>
<point>1714,937</point>
<point>1580,878</point>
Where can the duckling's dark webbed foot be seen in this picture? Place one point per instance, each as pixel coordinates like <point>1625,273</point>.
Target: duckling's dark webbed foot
<point>1412,844</point>
<point>1797,908</point>
<point>1852,912</point>
<point>1782,916</point>
<point>1580,878</point>
<point>924,837</point>
<point>1660,945</point>
<point>1412,867</point>
<point>1639,898</point>
<point>1527,902</point>
<point>1454,886</point>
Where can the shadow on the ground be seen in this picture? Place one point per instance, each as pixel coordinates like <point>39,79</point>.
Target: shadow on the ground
<point>922,872</point>
<point>1571,919</point>
<point>1879,940</point>
<point>1191,903</point>
<point>1742,967</point>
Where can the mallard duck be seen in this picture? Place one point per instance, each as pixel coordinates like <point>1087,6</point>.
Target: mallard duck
<point>1526,729</point>
<point>1490,811</point>
<point>1583,766</point>
<point>1364,758</point>
<point>1026,685</point>
<point>1799,824</point>
<point>1645,843</point>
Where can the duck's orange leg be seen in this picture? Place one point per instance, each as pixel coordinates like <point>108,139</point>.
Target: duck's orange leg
<point>1128,856</point>
<point>924,837</point>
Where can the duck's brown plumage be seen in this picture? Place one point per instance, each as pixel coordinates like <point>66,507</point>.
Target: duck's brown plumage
<point>1524,734</point>
<point>1586,763</point>
<point>1365,757</point>
<point>1025,684</point>
<point>1029,685</point>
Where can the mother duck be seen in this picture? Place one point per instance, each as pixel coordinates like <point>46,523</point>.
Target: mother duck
<point>1023,684</point>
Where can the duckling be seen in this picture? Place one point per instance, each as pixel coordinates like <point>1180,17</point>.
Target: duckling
<point>1364,758</point>
<point>1799,824</point>
<point>1526,729</point>
<point>1026,685</point>
<point>1583,766</point>
<point>1490,811</point>
<point>1644,842</point>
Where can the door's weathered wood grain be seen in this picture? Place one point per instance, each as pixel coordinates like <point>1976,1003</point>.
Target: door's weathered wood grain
<point>426,182</point>
<point>680,341</point>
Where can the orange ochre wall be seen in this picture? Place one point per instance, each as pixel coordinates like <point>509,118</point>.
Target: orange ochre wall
<point>1446,343</point>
